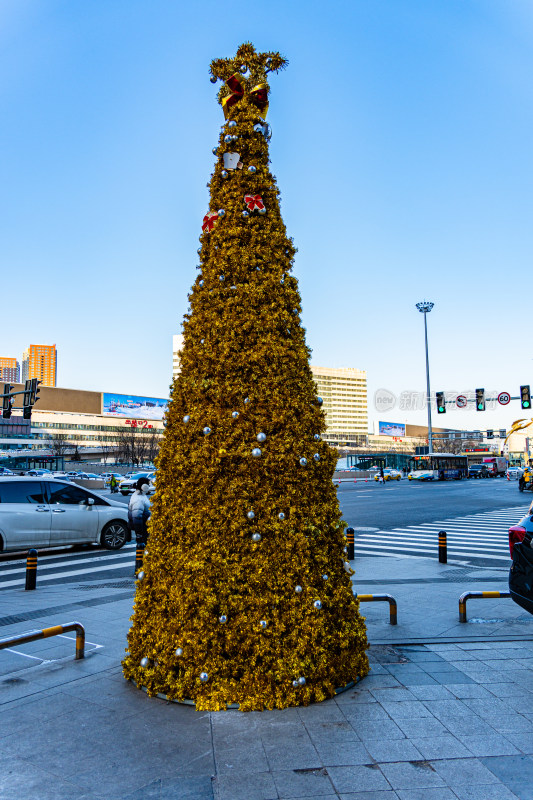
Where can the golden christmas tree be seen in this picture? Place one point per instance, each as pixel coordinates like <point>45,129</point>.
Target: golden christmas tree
<point>245,596</point>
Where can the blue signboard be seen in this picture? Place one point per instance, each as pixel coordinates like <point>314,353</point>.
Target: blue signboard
<point>131,405</point>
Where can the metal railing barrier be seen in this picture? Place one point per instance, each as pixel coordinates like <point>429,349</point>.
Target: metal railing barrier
<point>45,633</point>
<point>393,606</point>
<point>31,569</point>
<point>478,595</point>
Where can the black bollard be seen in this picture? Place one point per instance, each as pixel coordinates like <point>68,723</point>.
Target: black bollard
<point>443,549</point>
<point>31,569</point>
<point>139,554</point>
<point>350,538</point>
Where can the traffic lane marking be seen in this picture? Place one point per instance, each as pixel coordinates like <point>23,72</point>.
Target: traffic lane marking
<point>59,575</point>
<point>47,565</point>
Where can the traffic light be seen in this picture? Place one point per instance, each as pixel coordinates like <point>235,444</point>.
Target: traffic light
<point>441,403</point>
<point>26,414</point>
<point>480,399</point>
<point>525,397</point>
<point>34,390</point>
<point>490,434</point>
<point>7,401</point>
<point>503,433</point>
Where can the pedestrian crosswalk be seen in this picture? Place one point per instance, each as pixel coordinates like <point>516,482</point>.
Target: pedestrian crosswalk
<point>480,538</point>
<point>61,567</point>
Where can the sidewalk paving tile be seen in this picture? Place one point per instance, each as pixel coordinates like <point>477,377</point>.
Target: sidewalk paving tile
<point>342,753</point>
<point>427,794</point>
<point>376,729</point>
<point>515,772</point>
<point>464,772</point>
<point>299,783</point>
<point>383,750</point>
<point>372,795</point>
<point>412,775</point>
<point>258,786</point>
<point>358,779</point>
<point>445,746</point>
<point>489,745</point>
<point>497,792</point>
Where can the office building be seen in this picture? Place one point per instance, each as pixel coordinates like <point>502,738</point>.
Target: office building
<point>9,370</point>
<point>40,361</point>
<point>177,344</point>
<point>344,393</point>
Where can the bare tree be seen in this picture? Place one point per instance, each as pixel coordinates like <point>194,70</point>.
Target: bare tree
<point>59,445</point>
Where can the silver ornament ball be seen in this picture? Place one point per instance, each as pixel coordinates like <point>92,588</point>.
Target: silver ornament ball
<point>201,283</point>
<point>207,431</point>
<point>263,624</point>
<point>316,457</point>
<point>234,414</point>
<point>251,515</point>
<point>186,418</point>
<point>281,516</point>
<point>243,68</point>
<point>140,575</point>
<point>261,437</point>
<point>223,619</point>
<point>325,577</point>
<point>232,124</point>
<point>245,214</point>
<point>318,604</point>
<point>301,680</point>
<point>252,169</point>
<point>246,401</point>
<point>262,210</point>
<point>234,137</point>
<point>256,452</point>
<point>213,79</point>
<point>145,662</point>
<point>221,212</point>
<point>298,589</point>
<point>204,677</point>
<point>228,138</point>
<point>317,437</point>
<point>202,341</point>
<point>221,277</point>
<point>319,401</point>
<point>303,462</point>
<point>214,151</point>
<point>179,652</point>
<point>224,173</point>
<point>295,684</point>
<point>256,537</point>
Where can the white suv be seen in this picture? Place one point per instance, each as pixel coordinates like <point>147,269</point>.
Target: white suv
<point>48,512</point>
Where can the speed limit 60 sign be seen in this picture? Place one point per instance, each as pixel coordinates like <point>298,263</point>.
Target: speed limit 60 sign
<point>504,398</point>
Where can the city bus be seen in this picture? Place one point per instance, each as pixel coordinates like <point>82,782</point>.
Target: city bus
<point>438,467</point>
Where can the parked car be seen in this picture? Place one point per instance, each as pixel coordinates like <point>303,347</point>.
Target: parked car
<point>478,471</point>
<point>514,473</point>
<point>47,512</point>
<point>518,531</point>
<point>6,471</point>
<point>390,475</point>
<point>34,472</point>
<point>127,486</point>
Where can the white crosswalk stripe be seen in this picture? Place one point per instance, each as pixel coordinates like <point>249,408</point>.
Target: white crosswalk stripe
<point>66,567</point>
<point>473,538</point>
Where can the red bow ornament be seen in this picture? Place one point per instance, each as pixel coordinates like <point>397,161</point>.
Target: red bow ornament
<point>258,95</point>
<point>254,201</point>
<point>209,221</point>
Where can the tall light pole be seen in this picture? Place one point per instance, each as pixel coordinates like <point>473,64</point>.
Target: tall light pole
<point>425,307</point>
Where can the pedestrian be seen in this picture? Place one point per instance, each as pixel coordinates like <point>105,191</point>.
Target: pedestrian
<point>381,475</point>
<point>139,510</point>
<point>113,483</point>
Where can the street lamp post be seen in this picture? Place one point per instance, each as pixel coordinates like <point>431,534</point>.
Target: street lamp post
<point>425,307</point>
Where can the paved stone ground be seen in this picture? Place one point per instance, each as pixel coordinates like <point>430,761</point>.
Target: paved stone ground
<point>447,711</point>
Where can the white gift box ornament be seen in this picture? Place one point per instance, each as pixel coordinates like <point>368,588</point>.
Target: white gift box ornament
<point>232,161</point>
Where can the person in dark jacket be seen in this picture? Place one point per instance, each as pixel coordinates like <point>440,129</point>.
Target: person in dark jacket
<point>139,510</point>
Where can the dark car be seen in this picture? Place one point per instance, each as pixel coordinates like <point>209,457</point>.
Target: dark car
<point>518,531</point>
<point>478,471</point>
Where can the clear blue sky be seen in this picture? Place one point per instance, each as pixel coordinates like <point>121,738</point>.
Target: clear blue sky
<point>402,148</point>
